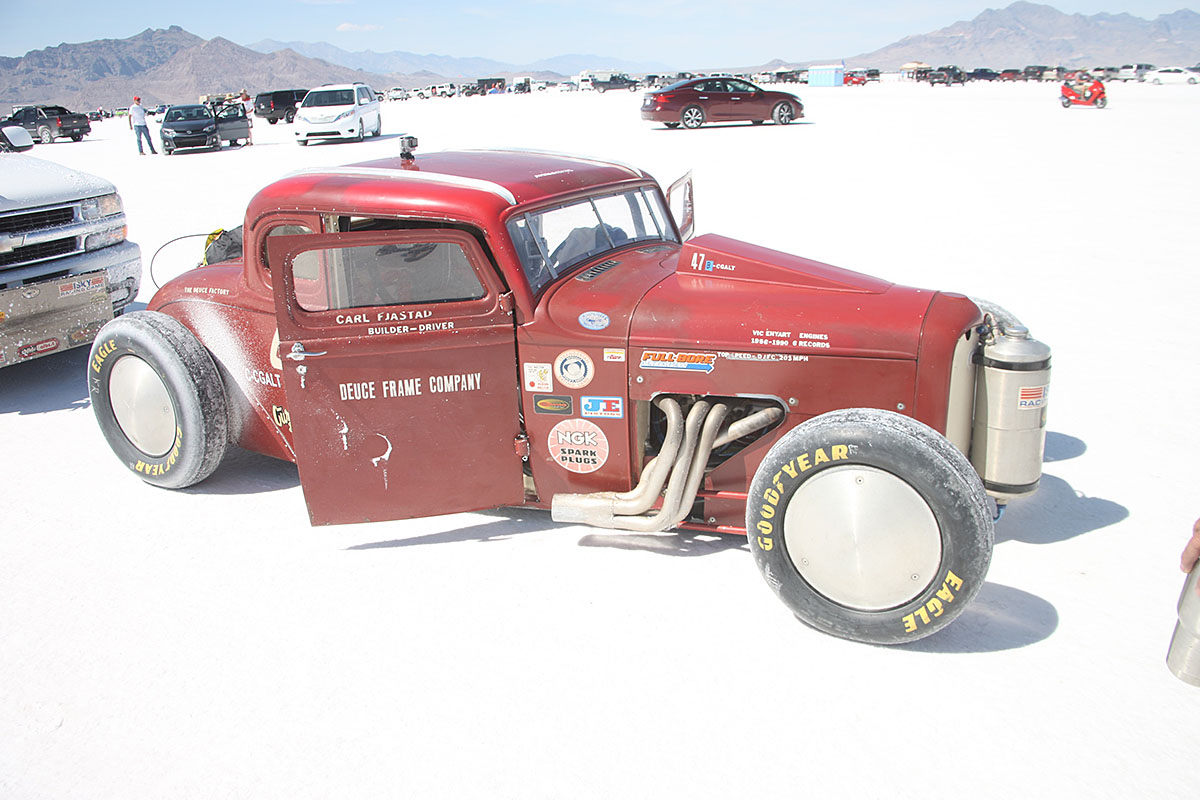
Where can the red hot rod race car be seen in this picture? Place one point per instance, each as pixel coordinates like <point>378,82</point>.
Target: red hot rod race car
<point>467,330</point>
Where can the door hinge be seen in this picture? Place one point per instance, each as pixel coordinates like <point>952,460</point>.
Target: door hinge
<point>521,445</point>
<point>506,303</point>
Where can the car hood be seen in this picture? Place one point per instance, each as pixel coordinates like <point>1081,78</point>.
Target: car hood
<point>730,296</point>
<point>29,182</point>
<point>719,294</point>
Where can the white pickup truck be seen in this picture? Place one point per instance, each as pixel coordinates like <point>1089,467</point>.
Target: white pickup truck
<point>65,266</point>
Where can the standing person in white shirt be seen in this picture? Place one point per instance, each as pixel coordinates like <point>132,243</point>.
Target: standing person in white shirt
<point>248,105</point>
<point>137,121</point>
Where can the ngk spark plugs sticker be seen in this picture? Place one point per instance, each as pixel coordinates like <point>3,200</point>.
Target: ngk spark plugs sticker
<point>574,369</point>
<point>577,445</point>
<point>1032,397</point>
<point>552,404</point>
<point>538,378</point>
<point>688,362</point>
<point>603,407</point>
<point>594,320</point>
<point>614,354</point>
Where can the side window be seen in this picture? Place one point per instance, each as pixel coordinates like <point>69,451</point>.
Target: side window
<point>405,273</point>
<point>281,230</point>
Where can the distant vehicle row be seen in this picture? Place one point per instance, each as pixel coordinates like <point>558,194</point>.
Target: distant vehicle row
<point>1129,72</point>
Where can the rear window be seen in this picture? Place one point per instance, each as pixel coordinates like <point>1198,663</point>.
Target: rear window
<point>329,97</point>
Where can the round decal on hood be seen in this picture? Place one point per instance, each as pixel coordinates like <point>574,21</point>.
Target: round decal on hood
<point>594,320</point>
<point>574,369</point>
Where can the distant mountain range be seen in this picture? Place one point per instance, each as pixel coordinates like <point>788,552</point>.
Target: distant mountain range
<point>172,65</point>
<point>1028,33</point>
<point>162,66</point>
<point>401,62</point>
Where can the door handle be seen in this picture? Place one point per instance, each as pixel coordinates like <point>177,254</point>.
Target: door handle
<point>299,353</point>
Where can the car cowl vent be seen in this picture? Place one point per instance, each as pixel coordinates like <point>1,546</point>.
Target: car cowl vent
<point>658,248</point>
<point>591,273</point>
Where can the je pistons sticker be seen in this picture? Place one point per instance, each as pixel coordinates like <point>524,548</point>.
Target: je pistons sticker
<point>574,369</point>
<point>538,378</point>
<point>603,407</point>
<point>577,445</point>
<point>689,362</point>
<point>552,404</point>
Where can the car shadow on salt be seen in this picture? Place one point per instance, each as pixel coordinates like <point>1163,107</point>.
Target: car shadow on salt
<point>1057,512</point>
<point>999,618</point>
<point>675,543</point>
<point>712,126</point>
<point>1062,447</point>
<point>244,472</point>
<point>507,523</point>
<point>52,383</point>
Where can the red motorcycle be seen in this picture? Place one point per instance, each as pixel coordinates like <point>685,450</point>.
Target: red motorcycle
<point>1090,95</point>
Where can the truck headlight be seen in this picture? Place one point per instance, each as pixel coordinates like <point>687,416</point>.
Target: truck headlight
<point>95,241</point>
<point>103,206</point>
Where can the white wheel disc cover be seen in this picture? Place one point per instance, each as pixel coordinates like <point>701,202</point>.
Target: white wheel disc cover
<point>142,406</point>
<point>862,537</point>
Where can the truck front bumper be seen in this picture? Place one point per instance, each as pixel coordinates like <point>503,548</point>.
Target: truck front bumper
<point>45,316</point>
<point>42,318</point>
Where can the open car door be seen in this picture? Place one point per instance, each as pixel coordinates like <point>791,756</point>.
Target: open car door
<point>682,206</point>
<point>399,367</point>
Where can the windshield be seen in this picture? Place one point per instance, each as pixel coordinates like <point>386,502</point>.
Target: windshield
<point>552,241</point>
<point>329,97</point>
<point>187,113</point>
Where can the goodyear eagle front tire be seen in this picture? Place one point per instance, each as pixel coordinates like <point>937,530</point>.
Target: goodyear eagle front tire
<point>870,526</point>
<point>159,399</point>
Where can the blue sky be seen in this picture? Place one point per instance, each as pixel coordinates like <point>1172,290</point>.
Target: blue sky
<point>676,32</point>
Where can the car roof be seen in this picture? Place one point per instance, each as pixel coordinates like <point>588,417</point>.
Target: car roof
<point>464,184</point>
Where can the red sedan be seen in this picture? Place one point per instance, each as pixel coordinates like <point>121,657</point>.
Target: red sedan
<point>699,100</point>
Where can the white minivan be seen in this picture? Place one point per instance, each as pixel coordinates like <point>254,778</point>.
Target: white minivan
<point>338,111</point>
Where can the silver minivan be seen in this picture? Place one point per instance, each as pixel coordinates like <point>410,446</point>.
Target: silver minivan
<point>1134,72</point>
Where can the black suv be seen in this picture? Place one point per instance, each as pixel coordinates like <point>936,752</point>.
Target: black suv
<point>280,105</point>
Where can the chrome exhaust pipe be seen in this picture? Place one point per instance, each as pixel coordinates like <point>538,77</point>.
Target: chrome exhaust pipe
<point>684,458</point>
<point>597,508</point>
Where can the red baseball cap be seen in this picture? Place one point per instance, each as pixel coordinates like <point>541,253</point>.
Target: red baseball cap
<point>137,99</point>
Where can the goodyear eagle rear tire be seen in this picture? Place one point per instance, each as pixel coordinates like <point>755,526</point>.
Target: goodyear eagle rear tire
<point>159,399</point>
<point>870,526</point>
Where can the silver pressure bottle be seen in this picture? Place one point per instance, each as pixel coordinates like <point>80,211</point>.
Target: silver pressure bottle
<point>1184,656</point>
